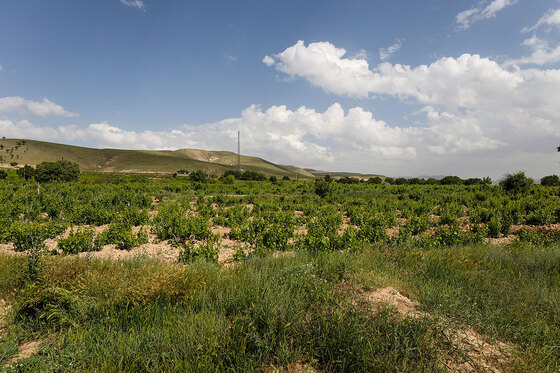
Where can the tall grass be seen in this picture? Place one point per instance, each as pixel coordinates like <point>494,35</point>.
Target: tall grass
<point>271,313</point>
<point>147,316</point>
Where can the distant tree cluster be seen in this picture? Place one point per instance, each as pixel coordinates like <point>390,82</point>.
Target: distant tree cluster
<point>246,175</point>
<point>551,180</point>
<point>198,176</point>
<point>46,172</point>
<point>447,180</point>
<point>516,183</point>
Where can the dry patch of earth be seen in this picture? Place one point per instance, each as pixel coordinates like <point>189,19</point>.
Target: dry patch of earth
<point>474,352</point>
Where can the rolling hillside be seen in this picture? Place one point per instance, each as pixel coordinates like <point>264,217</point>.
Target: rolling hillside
<point>138,161</point>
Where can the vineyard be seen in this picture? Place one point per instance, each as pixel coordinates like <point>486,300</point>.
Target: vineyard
<point>140,273</point>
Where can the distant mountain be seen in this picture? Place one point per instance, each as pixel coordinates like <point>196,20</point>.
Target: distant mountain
<point>33,152</point>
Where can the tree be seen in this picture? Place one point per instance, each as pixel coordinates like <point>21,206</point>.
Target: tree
<point>3,174</point>
<point>374,180</point>
<point>273,179</point>
<point>346,180</point>
<point>322,188</point>
<point>26,172</point>
<point>229,179</point>
<point>551,180</point>
<point>451,180</point>
<point>516,183</point>
<point>62,171</point>
<point>198,176</point>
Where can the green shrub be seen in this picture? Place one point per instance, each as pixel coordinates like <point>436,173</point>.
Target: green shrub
<point>198,176</point>
<point>171,223</point>
<point>448,236</point>
<point>78,242</point>
<point>551,180</point>
<point>121,236</point>
<point>26,172</point>
<point>61,171</point>
<point>516,183</point>
<point>322,188</point>
<point>27,236</point>
<point>207,250</point>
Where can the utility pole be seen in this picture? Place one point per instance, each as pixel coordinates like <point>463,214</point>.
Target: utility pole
<point>239,151</point>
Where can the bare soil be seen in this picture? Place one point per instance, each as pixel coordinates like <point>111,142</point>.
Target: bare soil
<point>474,352</point>
<point>26,350</point>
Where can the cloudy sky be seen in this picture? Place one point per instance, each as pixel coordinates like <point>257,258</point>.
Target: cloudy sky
<point>400,87</point>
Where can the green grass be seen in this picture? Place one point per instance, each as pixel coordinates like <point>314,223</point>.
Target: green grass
<point>146,316</point>
<point>142,315</point>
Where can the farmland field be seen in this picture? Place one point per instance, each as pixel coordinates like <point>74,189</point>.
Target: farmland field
<point>137,273</point>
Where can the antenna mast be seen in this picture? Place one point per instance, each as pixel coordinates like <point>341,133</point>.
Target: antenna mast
<point>238,150</point>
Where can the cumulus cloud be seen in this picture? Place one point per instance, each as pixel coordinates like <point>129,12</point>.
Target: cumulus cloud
<point>268,61</point>
<point>333,139</point>
<point>386,53</point>
<point>471,103</point>
<point>1,67</point>
<point>41,108</point>
<point>277,133</point>
<point>134,3</point>
<point>469,81</point>
<point>551,18</point>
<point>542,53</point>
<point>467,17</point>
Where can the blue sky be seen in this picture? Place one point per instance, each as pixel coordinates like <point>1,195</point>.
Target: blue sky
<point>172,74</point>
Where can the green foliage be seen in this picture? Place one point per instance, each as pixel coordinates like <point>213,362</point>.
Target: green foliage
<point>323,188</point>
<point>27,236</point>
<point>451,180</point>
<point>60,171</point>
<point>172,223</point>
<point>551,180</point>
<point>229,179</point>
<point>82,240</point>
<point>122,236</point>
<point>516,183</point>
<point>207,250</point>
<point>3,174</point>
<point>26,172</point>
<point>375,180</point>
<point>198,176</point>
<point>247,175</point>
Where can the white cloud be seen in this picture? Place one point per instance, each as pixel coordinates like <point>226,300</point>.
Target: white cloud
<point>468,81</point>
<point>550,18</point>
<point>472,104</point>
<point>268,61</point>
<point>333,139</point>
<point>386,53</point>
<point>542,53</point>
<point>134,3</point>
<point>1,67</point>
<point>469,143</point>
<point>43,108</point>
<point>467,17</point>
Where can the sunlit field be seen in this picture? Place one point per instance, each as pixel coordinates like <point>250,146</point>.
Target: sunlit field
<point>127,273</point>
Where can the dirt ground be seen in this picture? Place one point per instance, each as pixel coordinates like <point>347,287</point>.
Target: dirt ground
<point>480,352</point>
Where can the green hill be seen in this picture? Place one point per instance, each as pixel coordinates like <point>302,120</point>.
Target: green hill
<point>33,152</point>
